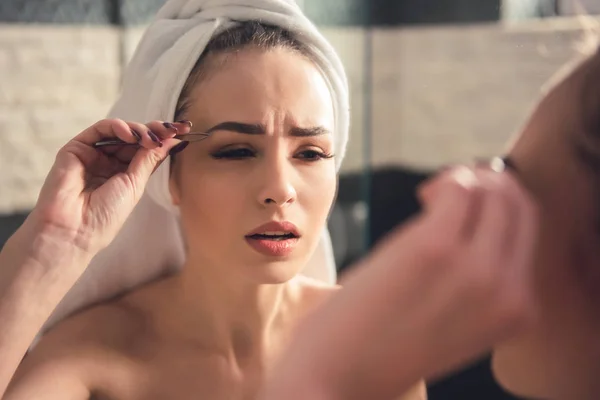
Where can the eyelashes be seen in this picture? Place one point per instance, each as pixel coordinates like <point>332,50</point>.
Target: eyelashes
<point>233,154</point>
<point>316,155</point>
<point>246,153</point>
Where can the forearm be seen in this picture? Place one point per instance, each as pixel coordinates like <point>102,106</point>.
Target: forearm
<point>36,270</point>
<point>296,382</point>
<point>290,386</point>
<point>366,341</point>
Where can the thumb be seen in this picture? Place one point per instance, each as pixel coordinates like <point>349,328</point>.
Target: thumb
<point>430,191</point>
<point>146,161</point>
<point>426,191</point>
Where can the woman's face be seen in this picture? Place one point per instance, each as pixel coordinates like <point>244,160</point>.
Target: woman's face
<point>557,156</point>
<point>268,160</point>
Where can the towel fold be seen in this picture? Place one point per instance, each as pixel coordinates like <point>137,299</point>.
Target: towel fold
<point>150,244</point>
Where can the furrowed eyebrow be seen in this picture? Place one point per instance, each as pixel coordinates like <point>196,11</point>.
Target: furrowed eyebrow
<point>309,132</point>
<point>259,129</point>
<point>239,127</point>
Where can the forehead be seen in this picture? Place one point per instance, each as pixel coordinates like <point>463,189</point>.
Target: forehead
<point>254,84</point>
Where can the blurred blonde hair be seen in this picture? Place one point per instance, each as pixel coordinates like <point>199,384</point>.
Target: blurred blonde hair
<point>584,48</point>
<point>591,30</point>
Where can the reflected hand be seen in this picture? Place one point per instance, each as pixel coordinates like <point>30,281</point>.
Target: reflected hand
<point>433,295</point>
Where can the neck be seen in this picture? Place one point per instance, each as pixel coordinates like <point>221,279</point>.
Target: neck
<point>228,312</point>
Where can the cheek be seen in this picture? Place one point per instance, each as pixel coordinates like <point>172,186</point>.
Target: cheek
<point>561,226</point>
<point>318,192</point>
<point>211,203</point>
<point>586,257</point>
<point>207,192</point>
<point>205,186</point>
<point>568,258</point>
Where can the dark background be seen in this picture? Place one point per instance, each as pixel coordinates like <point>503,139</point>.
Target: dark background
<point>375,13</point>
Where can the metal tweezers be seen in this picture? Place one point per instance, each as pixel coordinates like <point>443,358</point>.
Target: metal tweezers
<point>189,137</point>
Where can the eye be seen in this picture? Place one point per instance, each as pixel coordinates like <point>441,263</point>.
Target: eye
<point>313,155</point>
<point>234,154</point>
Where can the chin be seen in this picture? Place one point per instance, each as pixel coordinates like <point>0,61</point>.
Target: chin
<point>509,375</point>
<point>525,371</point>
<point>274,272</point>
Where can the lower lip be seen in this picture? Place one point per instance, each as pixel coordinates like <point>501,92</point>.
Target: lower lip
<point>273,248</point>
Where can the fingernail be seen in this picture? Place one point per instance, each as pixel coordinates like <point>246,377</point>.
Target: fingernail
<point>179,147</point>
<point>465,176</point>
<point>170,126</point>
<point>496,164</point>
<point>186,122</point>
<point>155,138</point>
<point>136,135</point>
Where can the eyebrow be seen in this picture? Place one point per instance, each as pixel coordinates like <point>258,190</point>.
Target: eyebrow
<point>260,129</point>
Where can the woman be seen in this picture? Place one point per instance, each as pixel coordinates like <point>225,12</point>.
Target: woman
<point>556,353</point>
<point>557,156</point>
<point>253,199</point>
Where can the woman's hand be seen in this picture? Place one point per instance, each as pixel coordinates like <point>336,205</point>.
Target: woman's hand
<point>90,192</point>
<point>86,198</point>
<point>436,293</point>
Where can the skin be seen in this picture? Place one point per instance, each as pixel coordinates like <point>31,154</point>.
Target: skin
<point>214,329</point>
<point>554,352</point>
<point>556,155</point>
<point>421,307</point>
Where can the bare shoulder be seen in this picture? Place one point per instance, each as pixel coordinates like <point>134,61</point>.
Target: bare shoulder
<point>112,326</point>
<point>69,359</point>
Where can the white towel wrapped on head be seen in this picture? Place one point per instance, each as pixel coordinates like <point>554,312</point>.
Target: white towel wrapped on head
<point>150,244</point>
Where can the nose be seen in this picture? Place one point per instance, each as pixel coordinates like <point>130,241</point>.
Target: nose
<point>277,188</point>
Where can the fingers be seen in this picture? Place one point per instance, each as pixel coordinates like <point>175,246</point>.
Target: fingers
<point>484,227</point>
<point>146,161</point>
<point>157,136</point>
<point>154,134</point>
<point>150,135</point>
<point>508,224</point>
<point>106,128</point>
<point>493,235</point>
<point>490,208</point>
<point>521,243</point>
<point>526,231</point>
<point>123,154</point>
<point>501,223</point>
<point>450,201</point>
<point>155,140</point>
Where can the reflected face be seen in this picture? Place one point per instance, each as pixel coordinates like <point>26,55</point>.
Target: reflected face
<point>269,158</point>
<point>557,156</point>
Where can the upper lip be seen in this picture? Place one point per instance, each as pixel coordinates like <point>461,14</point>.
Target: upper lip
<point>275,226</point>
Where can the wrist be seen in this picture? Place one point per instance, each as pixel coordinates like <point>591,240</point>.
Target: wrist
<point>46,248</point>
